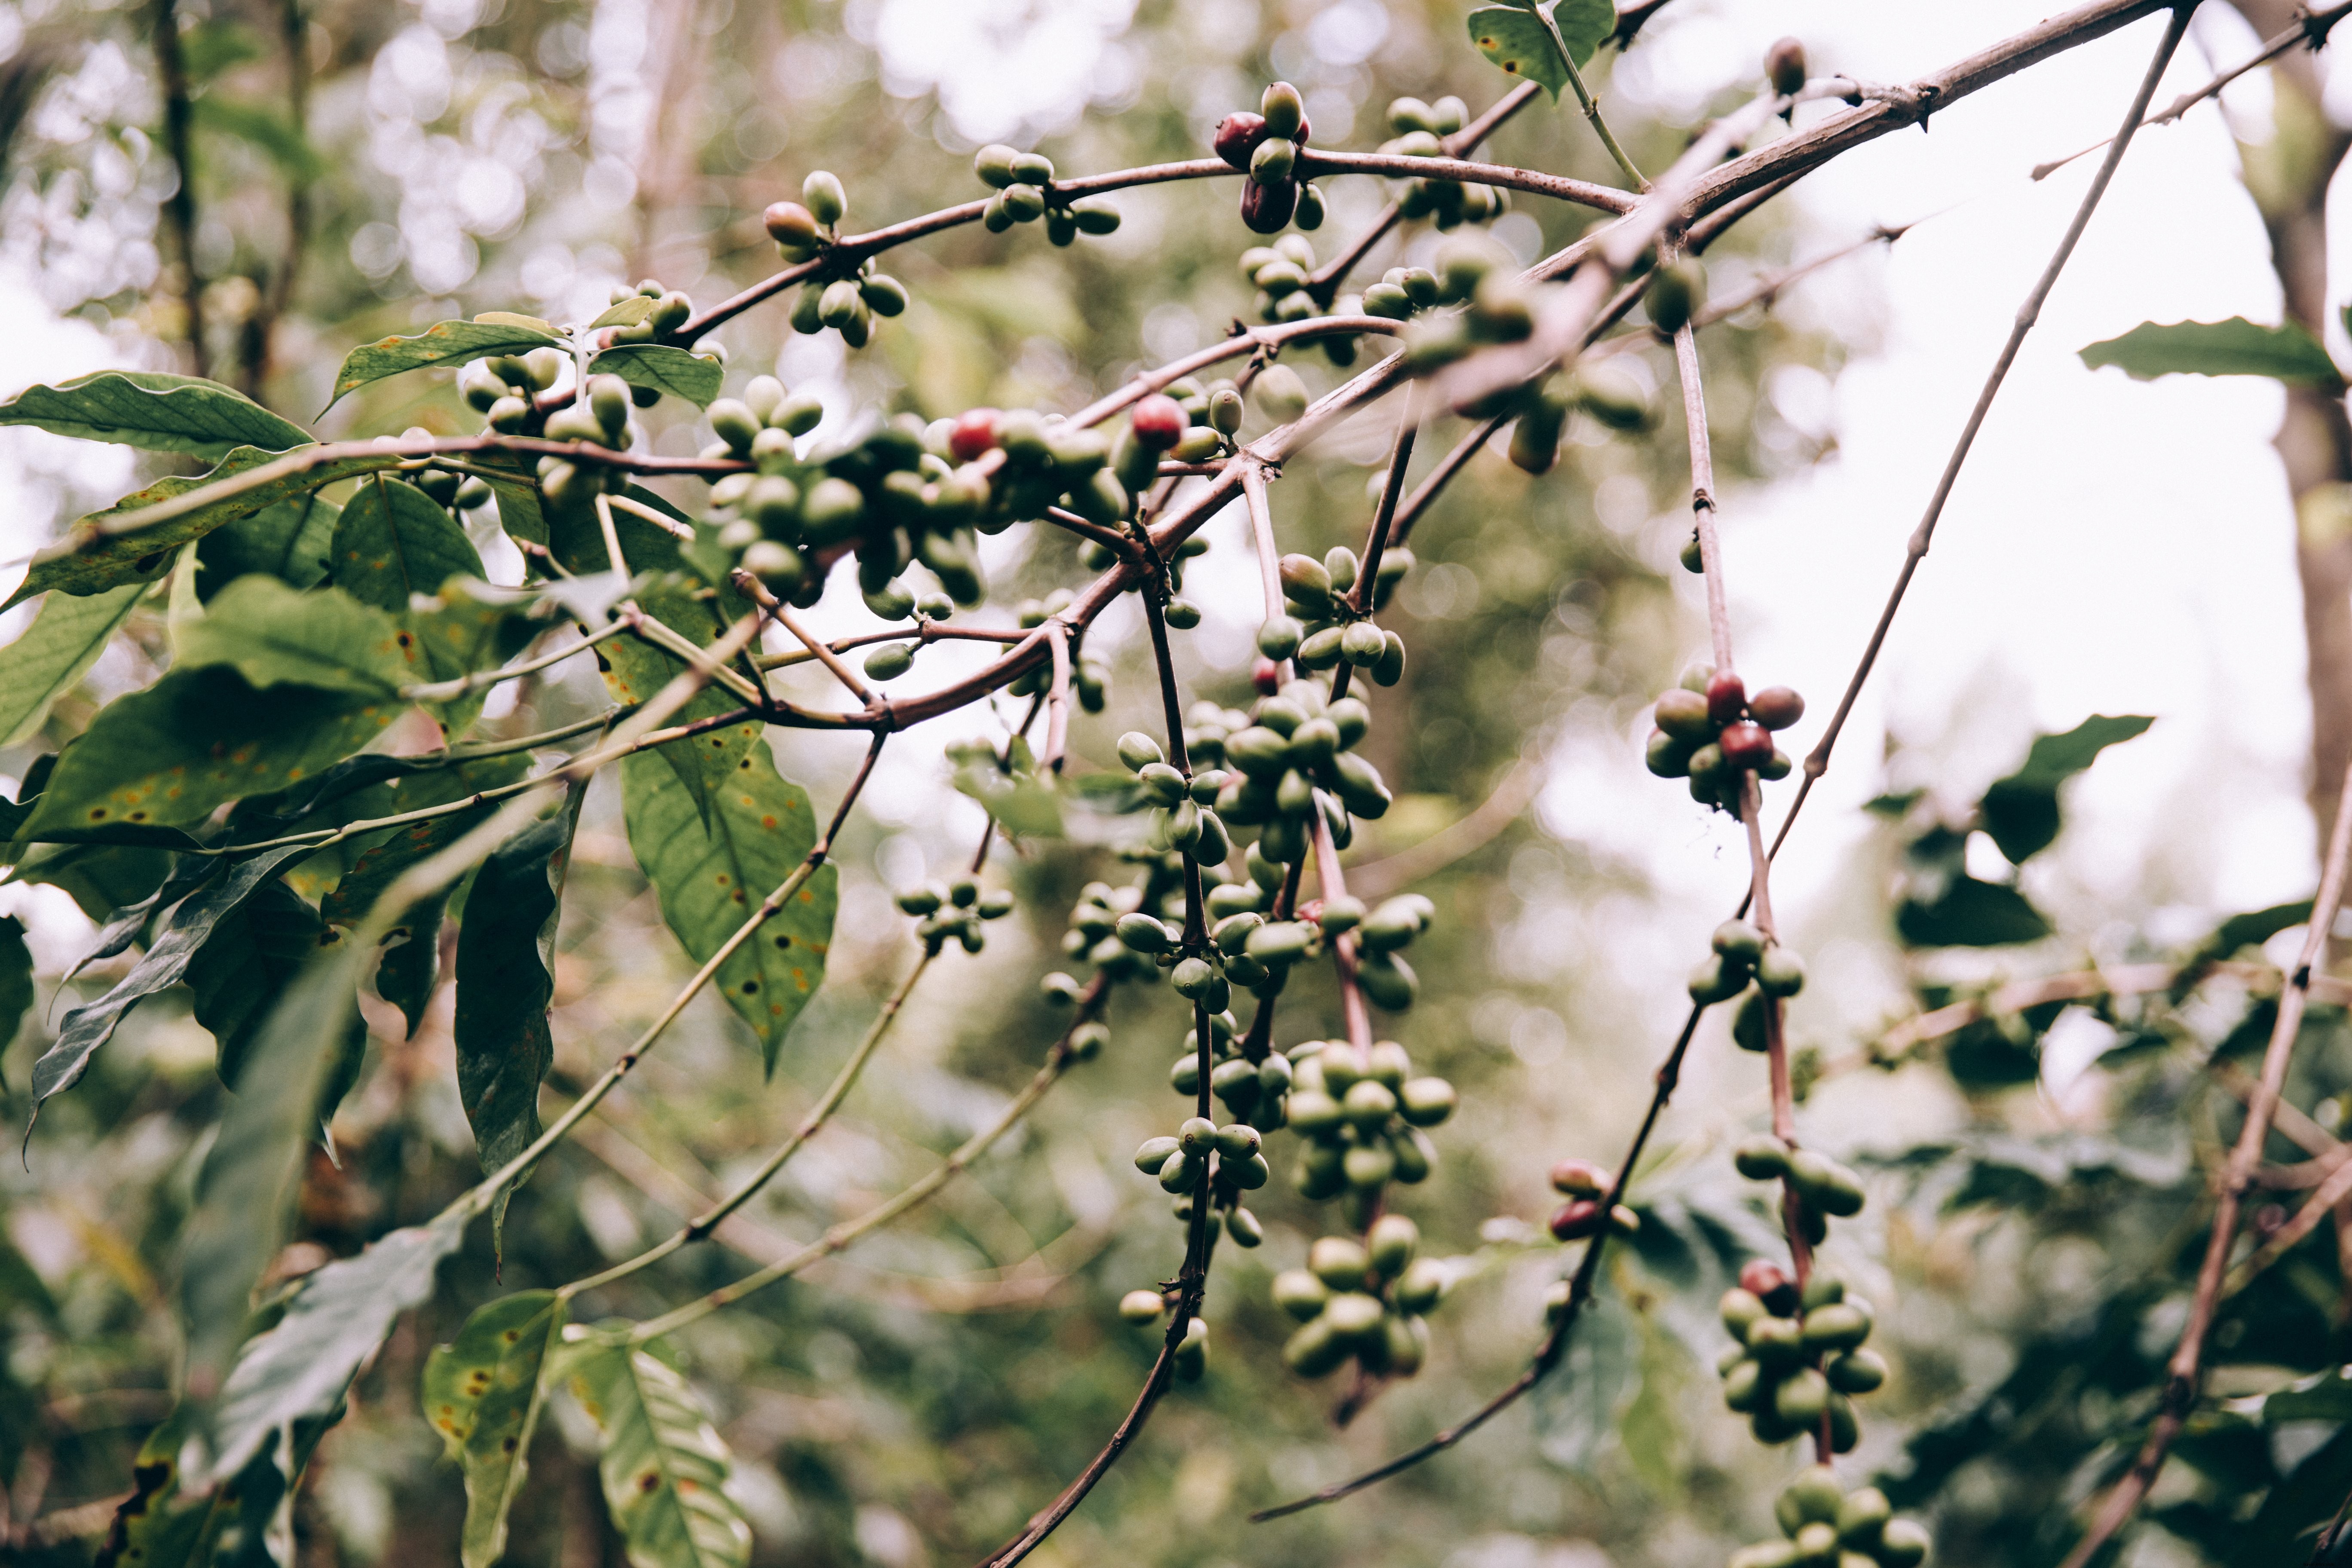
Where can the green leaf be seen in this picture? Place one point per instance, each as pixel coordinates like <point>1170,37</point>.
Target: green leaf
<point>1514,37</point>
<point>627,313</point>
<point>49,658</point>
<point>1022,802</point>
<point>663,1467</point>
<point>155,412</point>
<point>484,1394</point>
<point>393,543</point>
<point>109,560</point>
<point>635,671</point>
<point>246,1189</point>
<point>2021,812</point>
<point>710,874</point>
<point>2234,347</point>
<point>289,541</point>
<point>446,342</point>
<point>506,981</point>
<point>15,979</point>
<point>1971,913</point>
<point>469,626</point>
<point>665,369</point>
<point>276,635</point>
<point>336,1320</point>
<point>1651,1430</point>
<point>1574,1408</point>
<point>244,965</point>
<point>91,1024</point>
<point>277,137</point>
<point>2255,929</point>
<point>170,1521</point>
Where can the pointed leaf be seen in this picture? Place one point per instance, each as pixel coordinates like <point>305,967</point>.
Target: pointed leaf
<point>1971,914</point>
<point>635,671</point>
<point>1516,38</point>
<point>102,561</point>
<point>506,982</point>
<point>277,636</point>
<point>2021,812</point>
<point>289,540</point>
<point>665,369</point>
<point>245,963</point>
<point>467,628</point>
<point>154,412</point>
<point>712,873</point>
<point>91,1024</point>
<point>664,1469</point>
<point>393,543</point>
<point>484,1394</point>
<point>2234,347</point>
<point>49,658</point>
<point>337,1319</point>
<point>15,979</point>
<point>448,343</point>
<point>1574,1407</point>
<point>627,313</point>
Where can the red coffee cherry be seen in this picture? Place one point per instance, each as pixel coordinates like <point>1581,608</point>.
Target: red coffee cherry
<point>1575,1221</point>
<point>1727,695</point>
<point>1746,745</point>
<point>1158,421</point>
<point>1266,209</point>
<point>1784,62</point>
<point>1267,677</point>
<point>1237,136</point>
<point>1580,1178</point>
<point>974,432</point>
<point>1776,707</point>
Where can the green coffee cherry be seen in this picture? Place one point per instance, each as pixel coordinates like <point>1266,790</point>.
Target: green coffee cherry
<point>1902,1544</point>
<point>1272,162</point>
<point>1803,1397</point>
<point>1143,933</point>
<point>1182,1172</point>
<point>889,661</point>
<point>1138,751</point>
<point>1141,1307</point>
<point>1284,110</point>
<point>1353,1315</point>
<point>1300,1293</point>
<point>1339,1262</point>
<point>1716,980</point>
<point>1780,972</point>
<point>1243,1227</point>
<point>1280,393</point>
<point>1420,1287</point>
<point>1840,1326</point>
<point>822,193</point>
<point>1391,1243</point>
<point>994,165</point>
<point>1224,411</point>
<point>1761,1159</point>
<point>1741,1309</point>
<point>1278,639</point>
<point>779,567</point>
<point>1674,294</point>
<point>797,415</point>
<point>1192,1358</point>
<point>883,294</point>
<point>1390,668</point>
<point>1856,1371</point>
<point>1314,1351</point>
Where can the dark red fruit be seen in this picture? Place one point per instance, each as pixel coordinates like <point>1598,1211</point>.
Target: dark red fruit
<point>1784,62</point>
<point>1580,1177</point>
<point>1267,677</point>
<point>1768,1284</point>
<point>1575,1221</point>
<point>1158,421</point>
<point>1266,209</point>
<point>974,432</point>
<point>1237,136</point>
<point>1776,707</point>
<point>1746,745</point>
<point>1726,694</point>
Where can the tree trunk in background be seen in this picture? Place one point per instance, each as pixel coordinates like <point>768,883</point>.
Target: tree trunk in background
<point>2288,180</point>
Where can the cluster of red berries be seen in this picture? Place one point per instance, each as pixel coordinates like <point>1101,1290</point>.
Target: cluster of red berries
<point>1585,1185</point>
<point>1710,731</point>
<point>1266,146</point>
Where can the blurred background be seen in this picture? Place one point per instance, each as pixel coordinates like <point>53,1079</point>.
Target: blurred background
<point>2114,547</point>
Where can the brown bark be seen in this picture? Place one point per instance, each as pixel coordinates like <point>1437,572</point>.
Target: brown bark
<point>2289,181</point>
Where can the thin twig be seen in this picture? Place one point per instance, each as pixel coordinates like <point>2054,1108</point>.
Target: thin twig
<point>750,587</point>
<point>179,144</point>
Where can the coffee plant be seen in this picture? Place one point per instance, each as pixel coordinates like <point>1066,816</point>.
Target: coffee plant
<point>311,772</point>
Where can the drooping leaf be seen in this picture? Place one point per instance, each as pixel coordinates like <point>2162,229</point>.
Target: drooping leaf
<point>2021,812</point>
<point>506,982</point>
<point>246,1189</point>
<point>1514,37</point>
<point>49,658</point>
<point>337,1317</point>
<point>665,369</point>
<point>1651,1430</point>
<point>446,342</point>
<point>484,1394</point>
<point>245,963</point>
<point>289,540</point>
<point>1574,1407</point>
<point>170,1521</point>
<point>2234,347</point>
<point>15,979</point>
<point>154,412</point>
<point>276,635</point>
<point>1023,802</point>
<point>663,1467</point>
<point>92,1023</point>
<point>1970,913</point>
<point>393,543</point>
<point>100,561</point>
<point>713,873</point>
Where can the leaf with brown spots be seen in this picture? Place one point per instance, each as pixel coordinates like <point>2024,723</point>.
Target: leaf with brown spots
<point>392,542</point>
<point>712,875</point>
<point>483,1392</point>
<point>663,1467</point>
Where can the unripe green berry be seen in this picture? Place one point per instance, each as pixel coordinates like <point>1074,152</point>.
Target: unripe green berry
<point>1761,1159</point>
<point>1278,639</point>
<point>1391,1243</point>
<point>1243,1227</point>
<point>889,661</point>
<point>1284,110</point>
<point>1420,1287</point>
<point>1339,1262</point>
<point>825,198</point>
<point>994,165</point>
<point>1780,972</point>
<point>1856,1371</point>
<point>1141,1307</point>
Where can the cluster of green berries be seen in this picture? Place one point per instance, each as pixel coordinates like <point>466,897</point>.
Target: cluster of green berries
<point>1586,1186</point>
<point>1089,676</point>
<point>1825,1526</point>
<point>1825,1190</point>
<point>1498,305</point>
<point>1710,731</point>
<point>670,310</point>
<point>1093,938</point>
<point>1362,1300</point>
<point>1799,1358</point>
<point>462,492</point>
<point>1296,761</point>
<point>1267,146</point>
<point>1283,273</point>
<point>1360,1115</point>
<point>1421,129</point>
<point>1183,818</point>
<point>952,911</point>
<point>895,602</point>
<point>1740,953</point>
<point>599,419</point>
<point>1023,184</point>
<point>1321,628</point>
<point>1222,1161</point>
<point>890,493</point>
<point>1144,1307</point>
<point>847,300</point>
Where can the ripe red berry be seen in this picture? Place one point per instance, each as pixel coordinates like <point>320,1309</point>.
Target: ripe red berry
<point>1237,136</point>
<point>1577,1220</point>
<point>1726,694</point>
<point>1158,421</point>
<point>1267,677</point>
<point>1580,1178</point>
<point>974,432</point>
<point>1762,1279</point>
<point>1776,707</point>
<point>1266,209</point>
<point>1784,62</point>
<point>1746,745</point>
